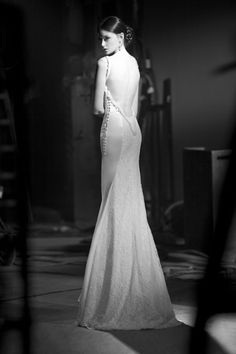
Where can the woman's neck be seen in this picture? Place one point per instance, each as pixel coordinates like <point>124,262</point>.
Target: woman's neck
<point>120,50</point>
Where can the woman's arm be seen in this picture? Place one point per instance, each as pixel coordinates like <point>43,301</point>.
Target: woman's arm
<point>98,109</point>
<point>135,106</point>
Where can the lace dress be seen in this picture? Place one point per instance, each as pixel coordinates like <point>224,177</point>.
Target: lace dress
<point>124,286</point>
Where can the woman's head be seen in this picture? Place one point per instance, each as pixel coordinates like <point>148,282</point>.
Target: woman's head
<point>114,33</point>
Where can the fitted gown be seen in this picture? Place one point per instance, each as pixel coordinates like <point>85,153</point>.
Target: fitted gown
<point>124,286</point>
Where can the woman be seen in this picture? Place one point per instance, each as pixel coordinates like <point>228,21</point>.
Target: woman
<point>124,286</point>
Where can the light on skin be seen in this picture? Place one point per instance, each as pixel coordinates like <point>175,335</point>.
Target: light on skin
<point>111,42</point>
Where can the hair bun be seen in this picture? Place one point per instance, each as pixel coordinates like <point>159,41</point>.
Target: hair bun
<point>129,35</point>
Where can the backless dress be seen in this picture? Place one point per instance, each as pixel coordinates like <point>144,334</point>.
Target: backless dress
<point>124,285</point>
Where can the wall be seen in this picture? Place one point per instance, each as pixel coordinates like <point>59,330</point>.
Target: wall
<point>189,42</point>
<point>57,39</point>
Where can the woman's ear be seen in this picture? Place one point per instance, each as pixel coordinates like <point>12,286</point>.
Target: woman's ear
<point>121,36</point>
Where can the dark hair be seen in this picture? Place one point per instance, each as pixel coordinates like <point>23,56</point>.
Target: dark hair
<point>116,25</point>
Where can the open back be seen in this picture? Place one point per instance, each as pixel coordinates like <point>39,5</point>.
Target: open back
<point>123,81</point>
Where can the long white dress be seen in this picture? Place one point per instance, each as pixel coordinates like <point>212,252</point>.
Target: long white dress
<point>124,286</point>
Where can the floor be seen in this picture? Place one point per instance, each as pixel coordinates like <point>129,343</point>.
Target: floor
<point>56,258</point>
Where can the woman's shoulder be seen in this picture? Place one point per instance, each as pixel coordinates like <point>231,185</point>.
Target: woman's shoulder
<point>133,59</point>
<point>104,65</point>
<point>134,63</point>
<point>102,62</point>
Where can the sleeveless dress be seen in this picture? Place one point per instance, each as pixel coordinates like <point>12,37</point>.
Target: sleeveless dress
<point>124,286</point>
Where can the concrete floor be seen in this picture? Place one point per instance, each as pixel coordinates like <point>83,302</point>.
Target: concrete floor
<point>56,266</point>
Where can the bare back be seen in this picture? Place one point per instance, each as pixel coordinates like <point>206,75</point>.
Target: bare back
<point>123,81</point>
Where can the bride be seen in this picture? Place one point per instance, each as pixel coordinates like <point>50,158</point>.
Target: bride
<point>124,286</point>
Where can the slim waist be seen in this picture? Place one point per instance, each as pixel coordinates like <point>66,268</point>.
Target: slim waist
<point>112,105</point>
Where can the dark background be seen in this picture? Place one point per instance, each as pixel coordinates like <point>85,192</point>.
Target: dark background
<point>188,41</point>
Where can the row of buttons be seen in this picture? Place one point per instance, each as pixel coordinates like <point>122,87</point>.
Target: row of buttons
<point>105,127</point>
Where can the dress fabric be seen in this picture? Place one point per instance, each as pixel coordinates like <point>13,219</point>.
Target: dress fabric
<point>124,285</point>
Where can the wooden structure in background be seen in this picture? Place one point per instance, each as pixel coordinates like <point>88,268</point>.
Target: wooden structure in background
<point>157,157</point>
<point>8,151</point>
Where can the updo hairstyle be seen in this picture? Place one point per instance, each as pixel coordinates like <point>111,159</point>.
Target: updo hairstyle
<point>116,25</point>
